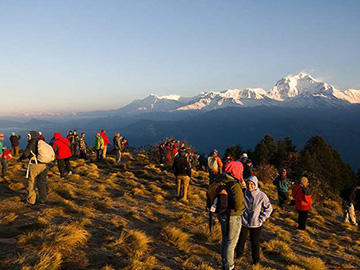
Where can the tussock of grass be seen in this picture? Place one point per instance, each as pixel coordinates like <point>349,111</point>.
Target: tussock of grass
<point>131,242</point>
<point>144,264</point>
<point>312,263</point>
<point>17,186</point>
<point>108,267</point>
<point>7,219</point>
<point>45,260</point>
<point>129,175</point>
<point>176,237</point>
<point>101,188</point>
<point>290,222</point>
<point>65,190</point>
<point>294,267</point>
<point>157,190</point>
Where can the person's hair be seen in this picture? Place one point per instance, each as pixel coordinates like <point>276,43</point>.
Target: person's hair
<point>82,133</point>
<point>70,131</point>
<point>103,130</point>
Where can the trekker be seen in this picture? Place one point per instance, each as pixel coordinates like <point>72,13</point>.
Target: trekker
<point>63,153</point>
<point>106,142</point>
<point>349,196</point>
<point>303,201</point>
<point>215,165</point>
<point>3,160</point>
<point>248,166</point>
<point>282,184</point>
<point>71,140</point>
<point>82,146</point>
<point>37,170</point>
<point>161,153</point>
<point>14,140</point>
<point>117,146</point>
<point>182,171</point>
<point>257,210</point>
<point>75,144</point>
<point>230,220</point>
<point>99,146</point>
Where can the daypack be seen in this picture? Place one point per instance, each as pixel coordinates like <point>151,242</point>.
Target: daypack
<point>213,195</point>
<point>212,164</point>
<point>46,153</point>
<point>7,154</point>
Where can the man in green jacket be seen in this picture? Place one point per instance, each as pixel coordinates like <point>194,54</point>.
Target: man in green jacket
<point>99,146</point>
<point>230,221</point>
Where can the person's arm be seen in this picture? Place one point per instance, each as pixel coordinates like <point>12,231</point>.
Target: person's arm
<point>188,169</point>
<point>266,209</point>
<point>27,152</point>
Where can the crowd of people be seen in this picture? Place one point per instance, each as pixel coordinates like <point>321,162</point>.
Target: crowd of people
<point>39,154</point>
<point>233,192</point>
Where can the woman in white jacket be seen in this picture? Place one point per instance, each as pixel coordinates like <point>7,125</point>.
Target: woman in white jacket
<point>257,210</point>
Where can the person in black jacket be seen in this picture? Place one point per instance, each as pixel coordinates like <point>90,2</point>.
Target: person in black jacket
<point>37,171</point>
<point>14,139</point>
<point>182,171</point>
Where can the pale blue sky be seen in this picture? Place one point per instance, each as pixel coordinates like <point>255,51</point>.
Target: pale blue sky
<point>85,54</point>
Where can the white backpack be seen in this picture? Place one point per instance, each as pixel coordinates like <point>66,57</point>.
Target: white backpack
<point>212,164</point>
<point>46,153</point>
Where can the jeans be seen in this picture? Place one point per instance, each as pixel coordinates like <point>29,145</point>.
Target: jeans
<point>230,230</point>
<point>255,242</point>
<point>283,197</point>
<point>349,212</point>
<point>99,154</point>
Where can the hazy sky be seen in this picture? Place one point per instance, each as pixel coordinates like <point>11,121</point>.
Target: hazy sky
<point>85,54</point>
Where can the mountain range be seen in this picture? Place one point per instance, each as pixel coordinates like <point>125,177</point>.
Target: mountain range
<point>294,91</point>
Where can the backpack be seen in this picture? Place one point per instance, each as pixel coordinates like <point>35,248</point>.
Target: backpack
<point>212,164</point>
<point>46,153</point>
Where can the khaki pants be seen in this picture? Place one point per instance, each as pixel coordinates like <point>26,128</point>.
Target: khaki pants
<point>182,182</point>
<point>37,179</point>
<point>349,213</point>
<point>104,151</point>
<point>15,150</point>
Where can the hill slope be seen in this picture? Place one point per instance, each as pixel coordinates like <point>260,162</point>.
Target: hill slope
<point>108,216</point>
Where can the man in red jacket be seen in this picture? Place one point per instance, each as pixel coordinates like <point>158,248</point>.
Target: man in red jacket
<point>106,141</point>
<point>62,151</point>
<point>303,201</point>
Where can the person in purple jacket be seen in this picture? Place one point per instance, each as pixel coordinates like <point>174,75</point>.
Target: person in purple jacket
<point>257,210</point>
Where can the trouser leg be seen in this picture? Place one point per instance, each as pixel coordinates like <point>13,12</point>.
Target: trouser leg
<point>118,156</point>
<point>67,165</point>
<point>16,150</point>
<point>242,240</point>
<point>234,232</point>
<point>12,150</point>
<point>3,166</point>
<point>302,219</point>
<point>352,214</point>
<point>61,166</point>
<point>185,183</point>
<point>224,223</point>
<point>178,185</point>
<point>34,170</point>
<point>255,244</point>
<point>41,183</point>
<point>104,151</point>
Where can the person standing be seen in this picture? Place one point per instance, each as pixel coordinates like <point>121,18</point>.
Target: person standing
<point>71,140</point>
<point>117,146</point>
<point>215,165</point>
<point>82,146</point>
<point>99,146</point>
<point>303,201</point>
<point>182,172</point>
<point>37,171</point>
<point>3,161</point>
<point>230,221</point>
<point>257,209</point>
<point>282,185</point>
<point>75,143</point>
<point>63,153</point>
<point>14,140</point>
<point>106,142</point>
<point>349,201</point>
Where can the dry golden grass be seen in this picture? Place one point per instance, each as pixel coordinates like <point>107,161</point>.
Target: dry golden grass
<point>134,243</point>
<point>7,218</point>
<point>311,263</point>
<point>45,260</point>
<point>144,264</point>
<point>176,237</point>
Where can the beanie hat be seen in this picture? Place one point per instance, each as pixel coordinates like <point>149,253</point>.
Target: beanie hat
<point>235,169</point>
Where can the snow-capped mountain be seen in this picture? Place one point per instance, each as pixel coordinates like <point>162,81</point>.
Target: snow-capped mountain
<point>299,90</point>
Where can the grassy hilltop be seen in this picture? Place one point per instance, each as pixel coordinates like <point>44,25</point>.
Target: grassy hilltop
<point>108,216</point>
